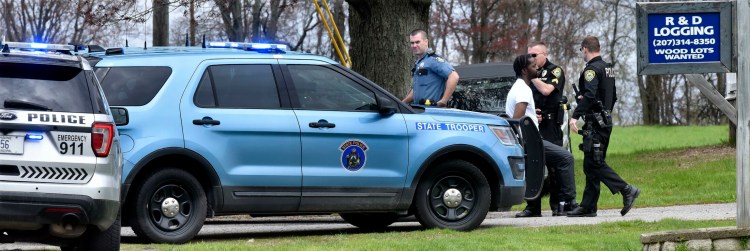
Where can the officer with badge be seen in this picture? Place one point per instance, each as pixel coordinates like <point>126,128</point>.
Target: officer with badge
<point>547,91</point>
<point>433,78</point>
<point>595,103</point>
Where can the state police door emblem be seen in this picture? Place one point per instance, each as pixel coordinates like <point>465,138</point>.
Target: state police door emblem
<point>353,155</point>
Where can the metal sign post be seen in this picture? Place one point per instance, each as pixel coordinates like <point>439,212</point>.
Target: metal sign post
<point>743,114</point>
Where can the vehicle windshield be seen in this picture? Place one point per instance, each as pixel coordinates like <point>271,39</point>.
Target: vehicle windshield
<point>27,86</point>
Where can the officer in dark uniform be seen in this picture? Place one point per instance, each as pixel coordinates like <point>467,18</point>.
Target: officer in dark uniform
<point>433,78</point>
<point>595,103</point>
<point>548,96</point>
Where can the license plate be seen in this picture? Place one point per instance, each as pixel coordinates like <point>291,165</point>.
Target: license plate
<point>11,144</point>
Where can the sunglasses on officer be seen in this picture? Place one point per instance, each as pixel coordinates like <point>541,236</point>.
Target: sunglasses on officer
<point>532,55</point>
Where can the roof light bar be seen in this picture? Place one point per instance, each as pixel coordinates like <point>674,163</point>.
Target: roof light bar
<point>40,46</point>
<point>250,46</point>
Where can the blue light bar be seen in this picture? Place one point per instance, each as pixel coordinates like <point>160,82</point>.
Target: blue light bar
<point>263,47</point>
<point>34,136</point>
<point>39,46</point>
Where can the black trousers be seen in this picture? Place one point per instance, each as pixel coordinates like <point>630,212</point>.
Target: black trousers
<point>597,173</point>
<point>551,131</point>
<point>560,183</point>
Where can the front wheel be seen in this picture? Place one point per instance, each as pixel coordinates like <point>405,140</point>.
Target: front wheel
<point>454,195</point>
<point>169,207</point>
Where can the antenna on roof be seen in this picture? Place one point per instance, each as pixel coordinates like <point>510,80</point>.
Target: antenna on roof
<point>144,46</point>
<point>187,40</point>
<point>126,42</point>
<point>204,41</point>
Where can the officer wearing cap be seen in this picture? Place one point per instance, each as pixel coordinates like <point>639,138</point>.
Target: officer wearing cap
<point>433,78</point>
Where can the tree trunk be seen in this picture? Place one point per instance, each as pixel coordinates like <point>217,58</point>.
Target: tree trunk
<point>379,32</point>
<point>257,7</point>
<point>339,17</point>
<point>161,22</point>
<point>193,23</point>
<point>650,90</point>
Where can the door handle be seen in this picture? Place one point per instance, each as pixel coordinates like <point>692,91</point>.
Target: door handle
<point>322,124</point>
<point>206,121</point>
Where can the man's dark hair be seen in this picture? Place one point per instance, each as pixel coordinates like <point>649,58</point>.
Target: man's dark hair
<point>420,31</point>
<point>591,43</point>
<point>521,63</point>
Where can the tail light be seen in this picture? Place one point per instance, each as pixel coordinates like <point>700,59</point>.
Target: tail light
<point>101,138</point>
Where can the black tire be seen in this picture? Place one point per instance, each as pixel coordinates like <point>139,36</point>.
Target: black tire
<point>93,239</point>
<point>453,177</point>
<point>167,185</point>
<point>370,221</point>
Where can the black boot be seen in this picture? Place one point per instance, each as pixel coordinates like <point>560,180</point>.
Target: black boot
<point>581,212</point>
<point>528,213</point>
<point>629,194</point>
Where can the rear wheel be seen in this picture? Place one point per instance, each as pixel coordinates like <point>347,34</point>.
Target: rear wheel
<point>169,207</point>
<point>454,195</point>
<point>370,221</point>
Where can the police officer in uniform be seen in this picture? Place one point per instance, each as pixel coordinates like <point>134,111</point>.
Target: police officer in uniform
<point>595,102</point>
<point>433,78</point>
<point>548,96</point>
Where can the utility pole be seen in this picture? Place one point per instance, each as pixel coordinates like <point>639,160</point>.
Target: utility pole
<point>743,114</point>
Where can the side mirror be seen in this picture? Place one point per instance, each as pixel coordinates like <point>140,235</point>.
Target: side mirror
<point>120,115</point>
<point>386,107</point>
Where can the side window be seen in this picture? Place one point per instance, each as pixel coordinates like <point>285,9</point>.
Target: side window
<point>238,86</point>
<point>204,96</point>
<point>321,88</point>
<point>132,86</point>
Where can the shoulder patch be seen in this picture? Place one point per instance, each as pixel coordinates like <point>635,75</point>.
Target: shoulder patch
<point>557,72</point>
<point>589,75</point>
<point>440,60</point>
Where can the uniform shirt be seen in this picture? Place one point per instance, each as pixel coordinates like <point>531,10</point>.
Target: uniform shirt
<point>553,75</point>
<point>521,93</point>
<point>428,78</point>
<point>596,83</point>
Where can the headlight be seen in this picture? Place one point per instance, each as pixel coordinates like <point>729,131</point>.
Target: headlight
<point>505,134</point>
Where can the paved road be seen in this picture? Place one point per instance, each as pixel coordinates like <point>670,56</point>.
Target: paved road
<point>247,228</point>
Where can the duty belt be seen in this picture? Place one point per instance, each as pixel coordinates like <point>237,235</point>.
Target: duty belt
<point>549,115</point>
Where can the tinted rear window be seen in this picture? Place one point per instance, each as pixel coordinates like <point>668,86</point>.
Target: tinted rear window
<point>59,88</point>
<point>132,86</point>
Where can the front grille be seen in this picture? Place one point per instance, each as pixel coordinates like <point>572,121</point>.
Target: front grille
<point>45,174</point>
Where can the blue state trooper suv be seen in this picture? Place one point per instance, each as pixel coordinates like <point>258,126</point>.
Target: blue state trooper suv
<point>257,129</point>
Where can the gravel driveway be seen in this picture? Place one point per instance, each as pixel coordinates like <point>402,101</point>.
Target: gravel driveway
<point>236,227</point>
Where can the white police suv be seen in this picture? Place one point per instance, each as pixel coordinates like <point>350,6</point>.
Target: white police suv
<point>60,159</point>
<point>256,129</point>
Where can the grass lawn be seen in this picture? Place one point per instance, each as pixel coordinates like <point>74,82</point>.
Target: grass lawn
<point>671,165</point>
<point>606,236</point>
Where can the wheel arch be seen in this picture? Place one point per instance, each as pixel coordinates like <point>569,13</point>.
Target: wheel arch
<point>186,160</point>
<point>471,154</point>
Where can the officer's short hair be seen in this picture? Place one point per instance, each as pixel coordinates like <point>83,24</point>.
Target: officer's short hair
<point>537,43</point>
<point>420,31</point>
<point>591,43</point>
<point>521,62</point>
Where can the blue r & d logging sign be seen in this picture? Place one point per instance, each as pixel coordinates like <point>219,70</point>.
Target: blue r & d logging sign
<point>684,38</point>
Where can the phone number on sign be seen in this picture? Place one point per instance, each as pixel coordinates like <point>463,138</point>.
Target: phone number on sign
<point>678,42</point>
